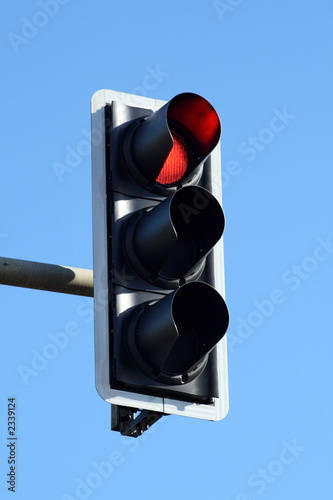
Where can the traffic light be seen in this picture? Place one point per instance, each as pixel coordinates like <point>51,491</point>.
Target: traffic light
<point>160,316</point>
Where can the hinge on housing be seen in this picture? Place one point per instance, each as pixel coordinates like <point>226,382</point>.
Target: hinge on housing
<point>110,206</point>
<point>113,369</point>
<point>112,283</point>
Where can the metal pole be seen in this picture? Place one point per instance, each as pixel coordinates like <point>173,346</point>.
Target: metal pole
<point>50,277</point>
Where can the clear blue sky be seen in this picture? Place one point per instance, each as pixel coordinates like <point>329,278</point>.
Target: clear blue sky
<point>266,66</point>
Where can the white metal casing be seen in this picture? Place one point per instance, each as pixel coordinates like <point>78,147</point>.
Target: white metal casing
<point>214,411</point>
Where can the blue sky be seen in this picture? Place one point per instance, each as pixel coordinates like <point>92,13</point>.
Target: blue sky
<point>266,66</point>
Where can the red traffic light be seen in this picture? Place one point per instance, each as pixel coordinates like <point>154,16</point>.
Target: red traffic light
<point>165,150</point>
<point>158,222</point>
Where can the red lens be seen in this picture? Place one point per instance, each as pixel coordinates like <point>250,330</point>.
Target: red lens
<point>177,162</point>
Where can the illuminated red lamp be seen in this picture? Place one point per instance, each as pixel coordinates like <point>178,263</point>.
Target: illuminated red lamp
<point>166,148</point>
<point>195,129</point>
<point>176,165</point>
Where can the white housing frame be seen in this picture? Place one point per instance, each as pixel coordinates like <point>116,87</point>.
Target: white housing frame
<point>219,408</point>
